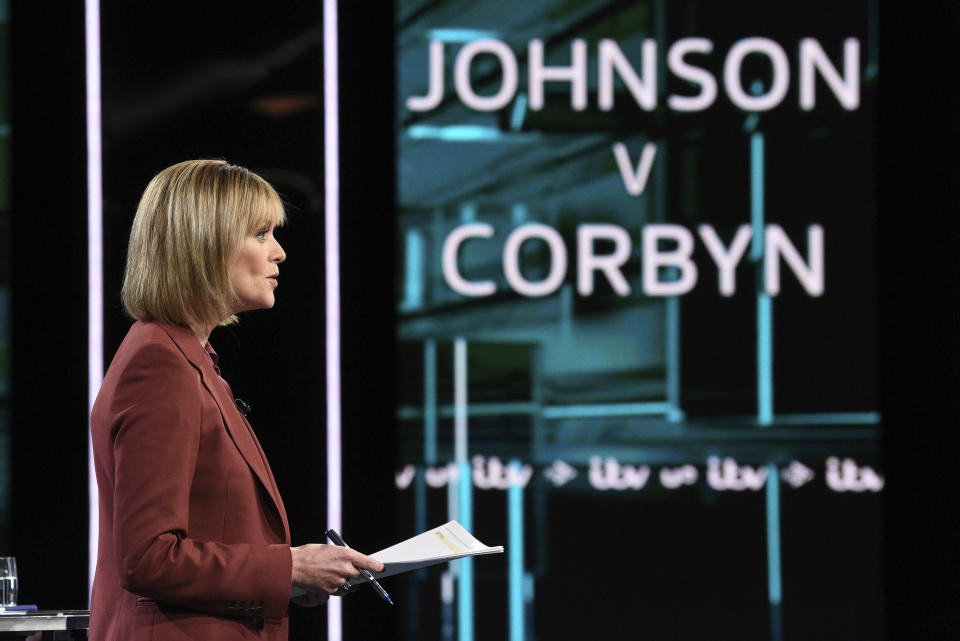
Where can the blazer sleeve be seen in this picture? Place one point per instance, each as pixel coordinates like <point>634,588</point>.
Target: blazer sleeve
<point>156,442</point>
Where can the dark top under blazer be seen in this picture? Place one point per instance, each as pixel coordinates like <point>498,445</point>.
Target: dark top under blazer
<point>194,539</point>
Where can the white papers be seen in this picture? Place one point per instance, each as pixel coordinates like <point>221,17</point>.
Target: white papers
<point>445,543</point>
<point>448,542</point>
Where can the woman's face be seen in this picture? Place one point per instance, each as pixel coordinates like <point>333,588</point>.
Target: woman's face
<point>254,272</point>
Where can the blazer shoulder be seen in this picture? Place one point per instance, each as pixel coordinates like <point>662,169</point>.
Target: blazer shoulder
<point>158,337</point>
<point>148,374</point>
<point>148,354</point>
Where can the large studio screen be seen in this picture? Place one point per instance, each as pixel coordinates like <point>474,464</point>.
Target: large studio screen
<point>635,293</point>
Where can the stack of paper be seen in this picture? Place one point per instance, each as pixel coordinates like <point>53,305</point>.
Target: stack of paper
<point>445,543</point>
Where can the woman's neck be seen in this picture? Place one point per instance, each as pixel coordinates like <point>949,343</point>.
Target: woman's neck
<point>202,332</point>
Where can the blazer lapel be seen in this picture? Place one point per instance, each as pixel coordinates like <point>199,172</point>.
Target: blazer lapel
<point>272,488</point>
<point>237,426</point>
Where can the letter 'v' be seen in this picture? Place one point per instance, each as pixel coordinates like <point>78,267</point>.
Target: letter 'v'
<point>634,179</point>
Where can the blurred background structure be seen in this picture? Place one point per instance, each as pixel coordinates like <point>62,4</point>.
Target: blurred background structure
<point>602,399</point>
<point>733,464</point>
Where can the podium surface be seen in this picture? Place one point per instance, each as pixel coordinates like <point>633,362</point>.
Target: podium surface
<point>19,625</point>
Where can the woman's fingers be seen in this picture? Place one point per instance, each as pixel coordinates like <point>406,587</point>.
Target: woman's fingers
<point>326,568</point>
<point>365,562</point>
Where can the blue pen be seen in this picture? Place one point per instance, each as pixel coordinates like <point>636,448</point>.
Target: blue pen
<point>333,536</point>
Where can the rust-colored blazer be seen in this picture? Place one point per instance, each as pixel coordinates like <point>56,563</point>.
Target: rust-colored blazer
<point>194,540</point>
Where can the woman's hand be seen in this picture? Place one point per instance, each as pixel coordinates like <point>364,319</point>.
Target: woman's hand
<point>324,569</point>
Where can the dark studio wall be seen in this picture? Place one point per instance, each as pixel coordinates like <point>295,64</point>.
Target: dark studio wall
<point>49,309</point>
<point>172,92</point>
<point>919,277</point>
<point>275,360</point>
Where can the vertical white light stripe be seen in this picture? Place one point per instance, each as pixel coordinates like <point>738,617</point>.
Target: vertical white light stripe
<point>331,145</point>
<point>460,399</point>
<point>94,258</point>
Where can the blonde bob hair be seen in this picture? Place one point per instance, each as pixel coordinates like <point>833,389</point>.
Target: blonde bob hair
<point>190,225</point>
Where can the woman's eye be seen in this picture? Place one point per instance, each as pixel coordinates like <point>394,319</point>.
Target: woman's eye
<point>262,234</point>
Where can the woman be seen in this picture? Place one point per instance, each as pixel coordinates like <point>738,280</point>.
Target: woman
<point>194,540</point>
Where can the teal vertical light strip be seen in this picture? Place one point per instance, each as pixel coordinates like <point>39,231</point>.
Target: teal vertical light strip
<point>447,587</point>
<point>773,535</point>
<point>429,431</point>
<point>430,402</point>
<point>756,195</point>
<point>671,304</point>
<point>519,112</point>
<point>515,591</point>
<point>464,487</point>
<point>674,413</point>
<point>764,359</point>
<point>453,499</point>
<point>413,277</point>
<point>454,472</point>
<point>465,581</point>
<point>774,576</point>
<point>764,302</point>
